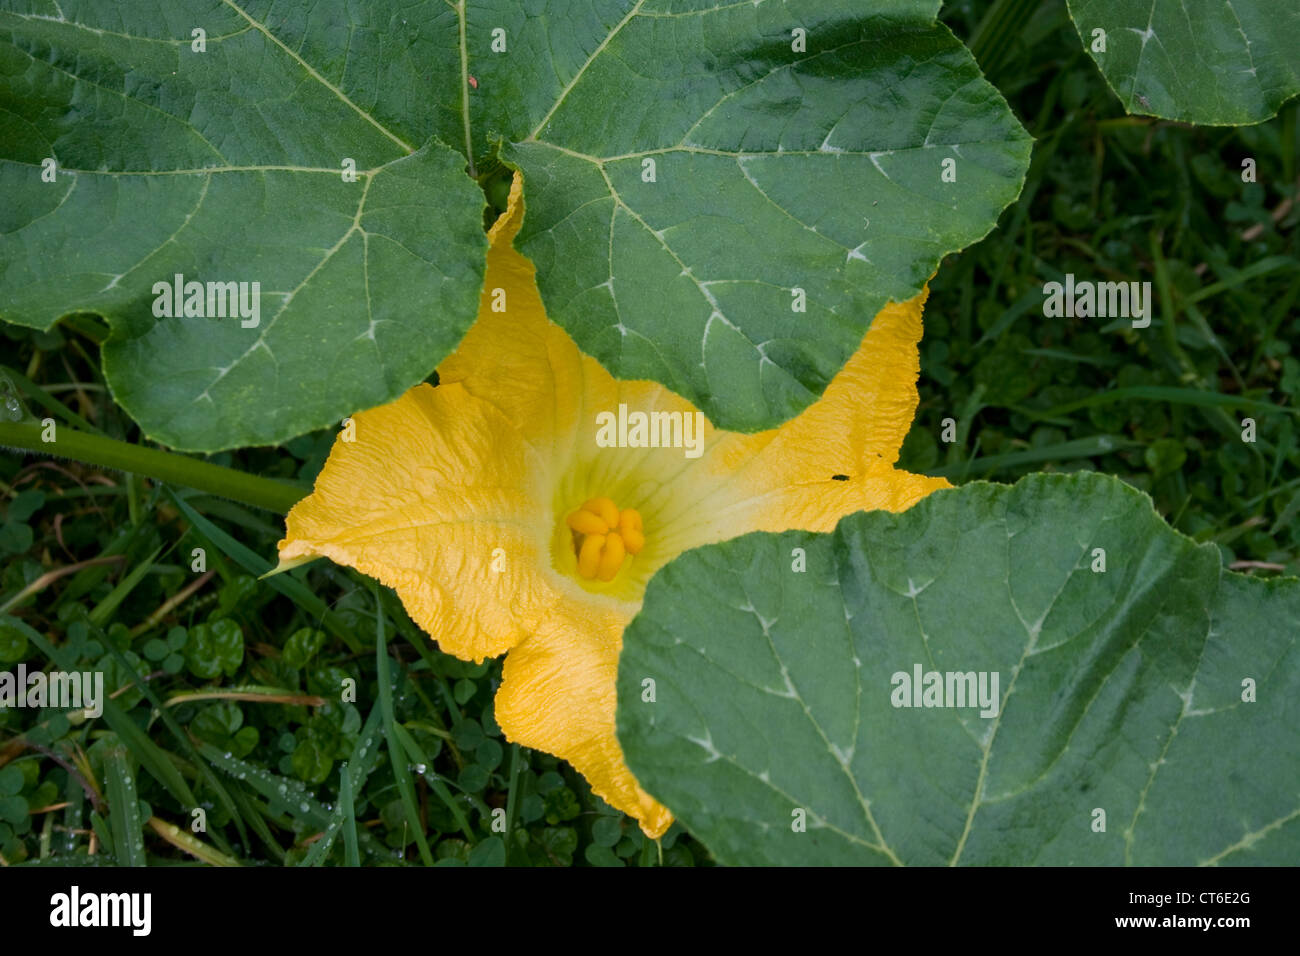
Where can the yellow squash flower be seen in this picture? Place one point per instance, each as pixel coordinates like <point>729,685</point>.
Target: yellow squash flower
<point>495,508</point>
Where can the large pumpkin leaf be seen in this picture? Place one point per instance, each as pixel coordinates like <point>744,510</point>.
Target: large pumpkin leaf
<point>1161,690</point>
<point>798,152</point>
<point>1214,62</point>
<point>693,169</point>
<point>227,165</point>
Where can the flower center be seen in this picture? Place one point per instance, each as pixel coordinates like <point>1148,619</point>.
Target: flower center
<point>603,536</point>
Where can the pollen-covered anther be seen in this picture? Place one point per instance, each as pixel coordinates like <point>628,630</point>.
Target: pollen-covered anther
<point>603,536</point>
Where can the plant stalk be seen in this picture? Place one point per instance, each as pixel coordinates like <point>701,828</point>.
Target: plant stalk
<point>163,466</point>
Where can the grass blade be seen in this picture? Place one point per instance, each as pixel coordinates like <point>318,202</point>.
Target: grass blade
<point>103,611</point>
<point>149,754</point>
<point>190,843</point>
<point>123,807</point>
<point>352,776</point>
<point>400,773</point>
<point>1058,451</point>
<point>351,856</point>
<point>256,565</point>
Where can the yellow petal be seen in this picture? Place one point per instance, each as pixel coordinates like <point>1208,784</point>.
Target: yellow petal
<point>433,498</point>
<point>533,372</point>
<point>776,480</point>
<point>855,430</point>
<point>520,361</point>
<point>864,414</point>
<point>832,460</point>
<point>558,695</point>
<point>439,480</point>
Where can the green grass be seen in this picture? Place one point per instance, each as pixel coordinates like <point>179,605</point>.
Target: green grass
<point>1117,198</point>
<point>227,685</point>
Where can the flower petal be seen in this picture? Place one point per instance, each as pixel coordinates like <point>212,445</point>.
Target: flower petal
<point>528,367</point>
<point>494,458</point>
<point>519,360</point>
<point>558,695</point>
<point>834,459</point>
<point>437,498</point>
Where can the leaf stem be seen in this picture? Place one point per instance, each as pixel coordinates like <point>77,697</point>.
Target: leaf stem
<point>168,467</point>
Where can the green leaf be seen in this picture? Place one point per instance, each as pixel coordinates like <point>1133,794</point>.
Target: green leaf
<point>1165,456</point>
<point>26,504</point>
<point>215,647</point>
<point>774,170</point>
<point>1212,62</point>
<point>11,781</point>
<point>491,852</point>
<point>1160,690</point>
<point>217,721</point>
<point>606,831</point>
<point>558,844</point>
<point>15,538</point>
<point>176,638</point>
<point>13,809</point>
<point>226,166</point>
<point>601,856</point>
<point>222,725</point>
<point>13,643</point>
<point>311,762</point>
<point>777,167</point>
<point>302,646</point>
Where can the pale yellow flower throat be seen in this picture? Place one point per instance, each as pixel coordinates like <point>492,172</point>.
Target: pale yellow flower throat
<point>603,536</point>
